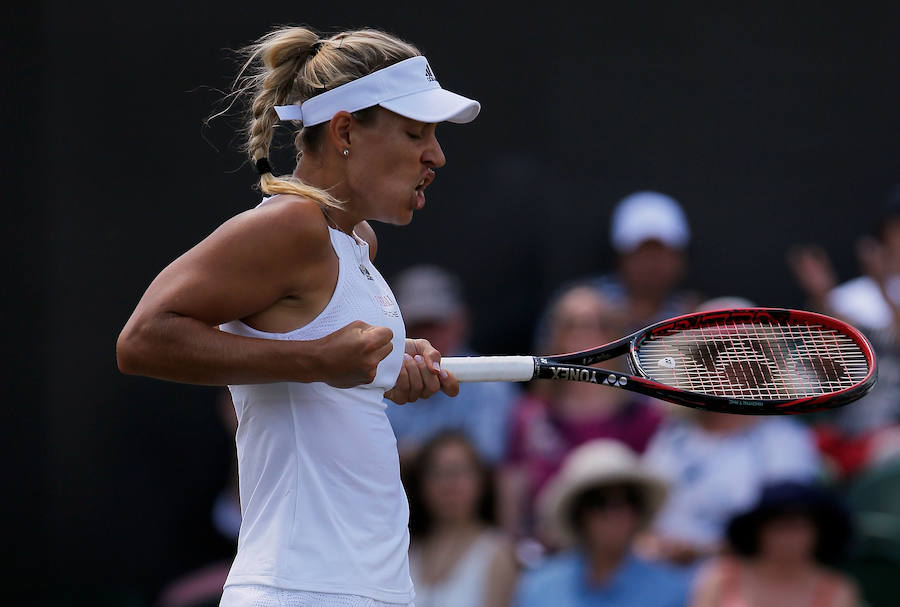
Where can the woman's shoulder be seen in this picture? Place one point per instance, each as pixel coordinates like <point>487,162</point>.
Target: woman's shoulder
<point>714,580</point>
<point>287,219</point>
<point>279,232</point>
<point>499,551</point>
<point>496,540</point>
<point>718,571</point>
<point>296,211</point>
<point>837,590</point>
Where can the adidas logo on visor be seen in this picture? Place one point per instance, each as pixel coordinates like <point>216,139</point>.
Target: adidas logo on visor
<point>429,75</point>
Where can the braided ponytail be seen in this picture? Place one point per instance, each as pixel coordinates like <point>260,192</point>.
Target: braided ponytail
<point>290,65</point>
<point>275,61</point>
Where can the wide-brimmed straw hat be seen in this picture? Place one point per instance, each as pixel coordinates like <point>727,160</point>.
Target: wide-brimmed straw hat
<point>596,464</point>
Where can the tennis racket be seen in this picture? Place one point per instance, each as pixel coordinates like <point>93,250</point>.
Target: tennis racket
<point>756,361</point>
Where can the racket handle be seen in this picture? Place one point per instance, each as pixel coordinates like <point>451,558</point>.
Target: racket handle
<point>490,368</point>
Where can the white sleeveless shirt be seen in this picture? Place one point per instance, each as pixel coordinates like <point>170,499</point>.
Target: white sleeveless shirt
<point>323,508</point>
<point>467,584</point>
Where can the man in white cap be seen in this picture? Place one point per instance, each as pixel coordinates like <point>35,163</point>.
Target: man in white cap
<point>650,234</point>
<point>433,307</point>
<point>593,509</point>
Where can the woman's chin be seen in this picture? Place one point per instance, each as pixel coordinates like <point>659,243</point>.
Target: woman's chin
<point>401,219</point>
<point>405,218</point>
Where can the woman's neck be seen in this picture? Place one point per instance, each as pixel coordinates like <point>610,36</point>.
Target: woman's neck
<point>783,570</point>
<point>601,565</point>
<point>455,528</point>
<point>644,307</point>
<point>341,220</point>
<point>315,173</point>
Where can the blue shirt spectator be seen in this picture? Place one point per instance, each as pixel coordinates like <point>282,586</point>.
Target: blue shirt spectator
<point>591,512</point>
<point>563,581</point>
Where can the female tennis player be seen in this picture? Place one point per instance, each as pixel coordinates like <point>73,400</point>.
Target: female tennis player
<point>283,304</point>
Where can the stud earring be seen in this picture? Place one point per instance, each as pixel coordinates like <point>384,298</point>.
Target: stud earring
<point>346,152</point>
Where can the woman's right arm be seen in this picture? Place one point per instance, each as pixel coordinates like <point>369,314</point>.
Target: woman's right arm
<point>248,264</point>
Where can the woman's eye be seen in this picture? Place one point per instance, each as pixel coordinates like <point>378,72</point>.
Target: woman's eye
<point>414,136</point>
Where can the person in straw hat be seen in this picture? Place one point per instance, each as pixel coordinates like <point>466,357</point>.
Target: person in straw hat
<point>590,513</point>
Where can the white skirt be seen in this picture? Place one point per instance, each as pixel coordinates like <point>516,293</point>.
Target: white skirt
<point>269,596</point>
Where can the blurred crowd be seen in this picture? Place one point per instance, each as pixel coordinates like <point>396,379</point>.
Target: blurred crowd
<point>563,493</point>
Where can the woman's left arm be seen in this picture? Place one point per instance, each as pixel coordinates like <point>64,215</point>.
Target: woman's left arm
<point>421,374</point>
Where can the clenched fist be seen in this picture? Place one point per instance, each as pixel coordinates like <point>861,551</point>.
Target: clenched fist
<point>350,355</point>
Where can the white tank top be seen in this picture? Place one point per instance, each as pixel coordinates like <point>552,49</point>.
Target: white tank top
<point>467,584</point>
<point>322,505</point>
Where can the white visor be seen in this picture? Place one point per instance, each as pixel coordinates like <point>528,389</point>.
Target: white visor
<point>408,88</point>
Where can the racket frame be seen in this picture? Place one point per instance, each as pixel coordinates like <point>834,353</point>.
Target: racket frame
<point>578,366</point>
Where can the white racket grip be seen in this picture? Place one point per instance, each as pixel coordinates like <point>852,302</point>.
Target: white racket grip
<point>489,368</point>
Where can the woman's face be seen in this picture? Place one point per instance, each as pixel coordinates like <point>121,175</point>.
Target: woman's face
<point>584,319</point>
<point>611,522</point>
<point>391,163</point>
<point>790,537</point>
<point>652,269</point>
<point>452,484</point>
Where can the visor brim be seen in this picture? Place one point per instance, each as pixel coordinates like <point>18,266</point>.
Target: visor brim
<point>434,105</point>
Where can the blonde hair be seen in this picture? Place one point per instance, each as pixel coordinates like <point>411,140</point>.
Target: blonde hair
<point>292,64</point>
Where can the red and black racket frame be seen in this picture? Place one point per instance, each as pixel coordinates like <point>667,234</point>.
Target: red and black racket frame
<point>576,366</point>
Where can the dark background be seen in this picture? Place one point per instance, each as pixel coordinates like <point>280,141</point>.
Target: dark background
<point>772,125</point>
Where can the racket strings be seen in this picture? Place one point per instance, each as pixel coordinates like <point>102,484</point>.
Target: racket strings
<point>761,361</point>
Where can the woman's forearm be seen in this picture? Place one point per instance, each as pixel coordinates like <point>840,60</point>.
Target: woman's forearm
<point>182,349</point>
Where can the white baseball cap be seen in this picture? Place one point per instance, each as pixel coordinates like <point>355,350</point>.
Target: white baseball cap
<point>408,88</point>
<point>648,215</point>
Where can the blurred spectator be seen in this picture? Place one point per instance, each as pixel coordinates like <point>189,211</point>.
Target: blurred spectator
<point>650,233</point>
<point>457,555</point>
<point>203,587</point>
<point>782,553</point>
<point>873,496</point>
<point>852,436</point>
<point>433,306</point>
<point>592,510</point>
<point>554,417</point>
<point>716,465</point>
